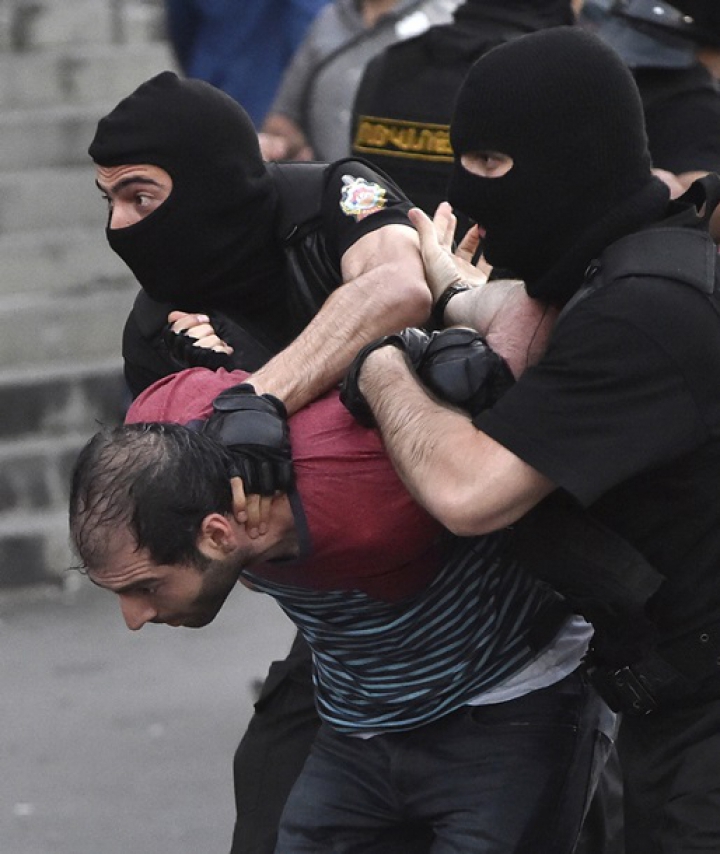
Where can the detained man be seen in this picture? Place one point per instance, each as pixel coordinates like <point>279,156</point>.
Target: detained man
<point>427,648</point>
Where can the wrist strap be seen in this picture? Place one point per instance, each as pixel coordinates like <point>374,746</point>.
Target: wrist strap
<point>438,311</point>
<point>248,388</point>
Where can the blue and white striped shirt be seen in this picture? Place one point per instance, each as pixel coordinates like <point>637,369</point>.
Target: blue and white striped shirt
<point>388,666</point>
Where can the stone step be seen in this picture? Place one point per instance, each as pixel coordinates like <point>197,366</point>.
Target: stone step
<point>35,549</point>
<point>64,295</point>
<point>48,137</point>
<point>50,415</point>
<point>51,198</point>
<point>36,24</point>
<point>35,473</point>
<point>79,75</point>
<point>36,331</point>
<point>32,24</point>
<point>60,261</point>
<point>58,400</point>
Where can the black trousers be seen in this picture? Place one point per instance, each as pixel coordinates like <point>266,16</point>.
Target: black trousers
<point>277,743</point>
<point>671,762</point>
<point>273,750</point>
<point>604,831</point>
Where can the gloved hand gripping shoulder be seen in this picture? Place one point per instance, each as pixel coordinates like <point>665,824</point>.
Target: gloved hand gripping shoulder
<point>254,427</point>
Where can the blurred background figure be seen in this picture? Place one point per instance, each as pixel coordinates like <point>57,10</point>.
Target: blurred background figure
<point>401,116</point>
<point>311,115</point>
<point>705,16</point>
<point>663,46</point>
<point>242,48</point>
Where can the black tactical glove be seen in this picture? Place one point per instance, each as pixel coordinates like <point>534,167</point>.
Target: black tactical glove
<point>411,341</point>
<point>459,367</point>
<point>182,347</point>
<point>456,365</point>
<point>254,427</point>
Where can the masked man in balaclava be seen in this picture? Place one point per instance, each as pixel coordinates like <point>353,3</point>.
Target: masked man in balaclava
<point>205,226</point>
<point>619,421</point>
<point>261,246</point>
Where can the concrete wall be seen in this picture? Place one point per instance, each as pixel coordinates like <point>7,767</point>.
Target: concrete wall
<point>64,295</point>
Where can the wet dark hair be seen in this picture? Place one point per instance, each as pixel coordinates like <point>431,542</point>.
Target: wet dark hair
<point>158,480</point>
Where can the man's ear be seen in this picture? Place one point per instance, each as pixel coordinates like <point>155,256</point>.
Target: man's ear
<point>217,538</point>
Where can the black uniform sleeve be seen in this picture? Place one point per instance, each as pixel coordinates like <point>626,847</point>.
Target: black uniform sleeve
<point>357,200</point>
<point>609,400</point>
<point>147,357</point>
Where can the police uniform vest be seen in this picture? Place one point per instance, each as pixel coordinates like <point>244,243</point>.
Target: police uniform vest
<point>599,573</point>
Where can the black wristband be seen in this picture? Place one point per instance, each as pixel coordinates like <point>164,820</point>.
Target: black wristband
<point>438,311</point>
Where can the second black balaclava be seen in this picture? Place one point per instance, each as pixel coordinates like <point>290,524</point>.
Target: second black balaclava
<point>567,110</point>
<point>211,242</point>
<point>529,15</point>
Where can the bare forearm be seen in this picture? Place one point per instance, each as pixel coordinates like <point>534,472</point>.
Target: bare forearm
<point>319,356</point>
<point>462,477</point>
<point>471,308</point>
<point>355,314</point>
<point>515,326</point>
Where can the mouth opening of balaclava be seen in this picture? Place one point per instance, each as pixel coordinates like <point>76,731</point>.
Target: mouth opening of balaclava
<point>213,238</point>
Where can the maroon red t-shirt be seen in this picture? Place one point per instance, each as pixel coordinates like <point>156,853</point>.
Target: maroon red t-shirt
<point>359,528</point>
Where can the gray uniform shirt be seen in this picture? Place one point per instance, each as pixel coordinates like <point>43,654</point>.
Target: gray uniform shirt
<point>318,88</point>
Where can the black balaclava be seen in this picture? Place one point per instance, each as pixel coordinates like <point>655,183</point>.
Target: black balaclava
<point>528,14</point>
<point>567,110</point>
<point>211,243</point>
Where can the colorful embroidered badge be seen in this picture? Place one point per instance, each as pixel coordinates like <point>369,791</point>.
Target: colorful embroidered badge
<point>360,198</point>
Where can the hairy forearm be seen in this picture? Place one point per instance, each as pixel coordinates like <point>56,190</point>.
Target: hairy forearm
<point>474,308</point>
<point>376,303</point>
<point>515,326</point>
<point>468,482</point>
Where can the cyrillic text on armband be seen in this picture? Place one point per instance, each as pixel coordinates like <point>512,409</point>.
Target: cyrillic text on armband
<point>396,138</point>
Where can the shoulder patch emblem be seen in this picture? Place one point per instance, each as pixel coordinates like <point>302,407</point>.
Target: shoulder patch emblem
<point>360,198</point>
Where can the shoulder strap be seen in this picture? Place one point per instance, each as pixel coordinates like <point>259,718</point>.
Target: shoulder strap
<point>704,194</point>
<point>683,252</point>
<point>684,255</point>
<point>300,187</point>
